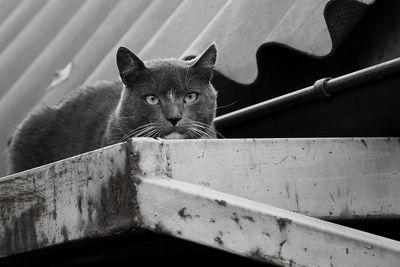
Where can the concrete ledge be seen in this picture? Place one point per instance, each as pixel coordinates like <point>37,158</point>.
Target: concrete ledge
<point>220,193</point>
<point>89,195</point>
<point>330,178</point>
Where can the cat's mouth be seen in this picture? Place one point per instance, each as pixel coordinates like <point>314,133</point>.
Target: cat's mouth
<point>174,135</point>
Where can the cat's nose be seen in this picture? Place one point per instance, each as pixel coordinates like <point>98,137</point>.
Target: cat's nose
<point>174,121</point>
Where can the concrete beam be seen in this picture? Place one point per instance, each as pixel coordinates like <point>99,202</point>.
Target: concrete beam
<point>199,189</point>
<point>90,195</point>
<point>256,230</point>
<point>329,178</point>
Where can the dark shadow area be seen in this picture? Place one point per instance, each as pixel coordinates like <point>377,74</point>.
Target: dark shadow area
<point>143,248</point>
<point>369,111</point>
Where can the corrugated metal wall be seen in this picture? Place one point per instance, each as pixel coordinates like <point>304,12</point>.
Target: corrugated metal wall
<point>50,47</point>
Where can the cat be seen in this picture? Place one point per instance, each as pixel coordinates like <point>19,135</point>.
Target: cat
<point>163,98</point>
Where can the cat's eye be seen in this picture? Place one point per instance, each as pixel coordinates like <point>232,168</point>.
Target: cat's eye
<point>190,98</point>
<point>152,100</point>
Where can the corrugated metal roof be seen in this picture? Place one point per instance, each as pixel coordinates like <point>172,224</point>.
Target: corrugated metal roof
<point>48,48</point>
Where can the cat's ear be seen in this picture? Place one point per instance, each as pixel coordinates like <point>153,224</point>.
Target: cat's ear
<point>128,64</point>
<point>205,62</point>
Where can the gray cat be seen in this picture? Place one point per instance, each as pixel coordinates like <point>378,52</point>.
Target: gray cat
<point>166,98</point>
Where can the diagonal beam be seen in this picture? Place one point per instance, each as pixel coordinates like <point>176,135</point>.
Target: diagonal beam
<point>256,230</point>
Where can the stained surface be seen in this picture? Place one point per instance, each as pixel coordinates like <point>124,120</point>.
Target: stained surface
<point>117,189</point>
<point>90,195</point>
<point>332,178</point>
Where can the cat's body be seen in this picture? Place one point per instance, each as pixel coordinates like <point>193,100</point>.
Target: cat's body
<point>162,98</point>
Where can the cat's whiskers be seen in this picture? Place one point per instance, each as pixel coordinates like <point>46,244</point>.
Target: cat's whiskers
<point>154,133</point>
<point>149,131</point>
<point>215,131</point>
<point>193,134</point>
<point>126,136</point>
<point>115,136</point>
<point>187,132</point>
<point>225,106</point>
<point>141,133</point>
<point>144,132</point>
<point>138,131</point>
<point>199,130</point>
<point>198,135</point>
<point>203,134</point>
<point>206,128</point>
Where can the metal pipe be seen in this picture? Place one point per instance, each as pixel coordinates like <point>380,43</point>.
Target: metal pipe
<point>323,88</point>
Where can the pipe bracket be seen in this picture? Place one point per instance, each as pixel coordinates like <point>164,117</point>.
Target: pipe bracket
<point>320,87</point>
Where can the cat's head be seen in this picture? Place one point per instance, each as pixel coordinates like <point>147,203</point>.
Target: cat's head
<point>167,98</point>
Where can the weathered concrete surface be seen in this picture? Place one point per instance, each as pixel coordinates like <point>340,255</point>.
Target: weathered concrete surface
<point>330,178</point>
<point>199,190</point>
<point>256,230</point>
<point>90,195</point>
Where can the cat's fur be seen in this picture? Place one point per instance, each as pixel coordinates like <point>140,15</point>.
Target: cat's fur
<point>111,112</point>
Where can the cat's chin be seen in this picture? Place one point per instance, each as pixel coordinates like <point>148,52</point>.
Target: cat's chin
<point>174,135</point>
